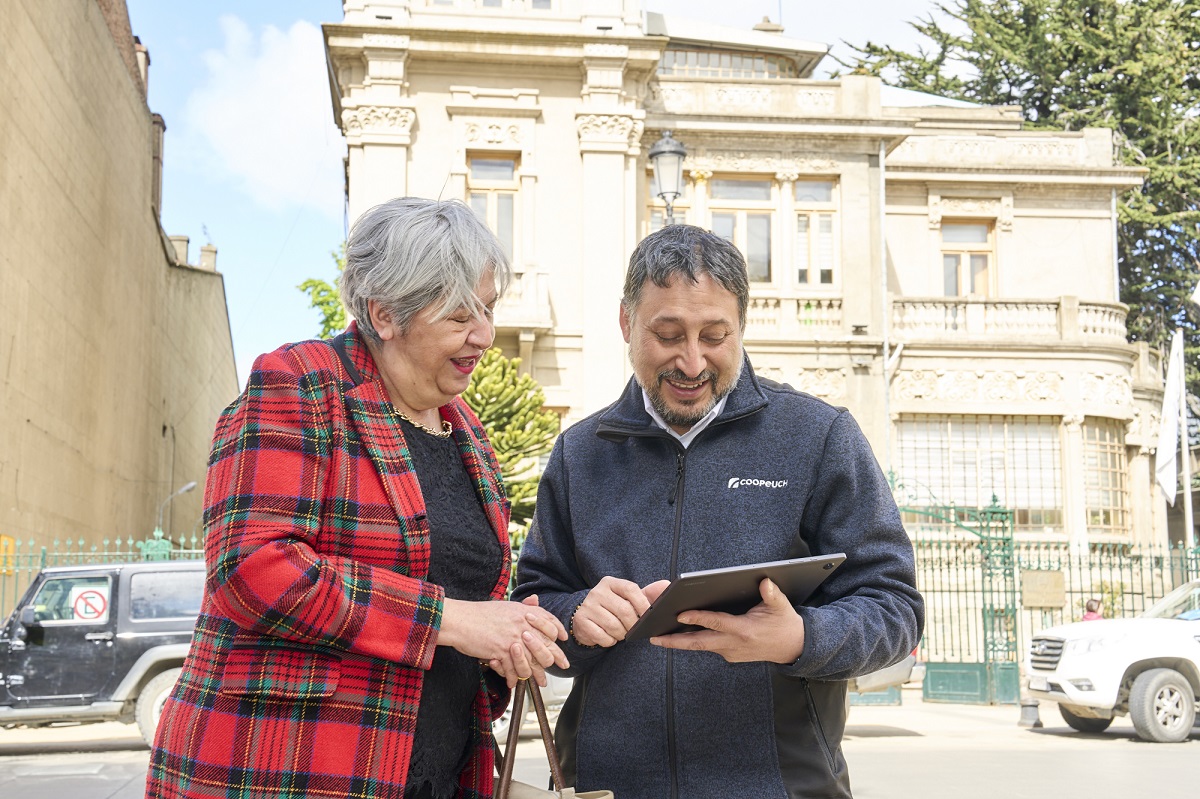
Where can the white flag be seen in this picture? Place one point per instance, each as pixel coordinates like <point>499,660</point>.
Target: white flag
<point>1196,294</point>
<point>1166,459</point>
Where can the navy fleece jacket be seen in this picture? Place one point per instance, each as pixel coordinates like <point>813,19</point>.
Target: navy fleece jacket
<point>778,474</point>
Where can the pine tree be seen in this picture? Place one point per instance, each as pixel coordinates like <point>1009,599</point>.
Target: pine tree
<point>509,405</point>
<point>1129,65</point>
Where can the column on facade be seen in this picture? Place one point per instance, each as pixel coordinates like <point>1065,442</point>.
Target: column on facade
<point>609,131</point>
<point>378,122</point>
<point>1074,484</point>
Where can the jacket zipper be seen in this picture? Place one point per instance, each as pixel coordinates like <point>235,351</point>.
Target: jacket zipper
<point>675,499</point>
<point>816,719</point>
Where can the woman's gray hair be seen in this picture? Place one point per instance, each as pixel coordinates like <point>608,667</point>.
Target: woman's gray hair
<point>409,254</point>
<point>689,251</point>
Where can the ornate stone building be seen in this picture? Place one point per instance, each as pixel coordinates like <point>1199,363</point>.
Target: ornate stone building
<point>932,265</point>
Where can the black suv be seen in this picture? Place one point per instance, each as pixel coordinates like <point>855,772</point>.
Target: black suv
<point>98,643</point>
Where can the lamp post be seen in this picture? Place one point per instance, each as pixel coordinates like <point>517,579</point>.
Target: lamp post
<point>666,159</point>
<point>186,487</point>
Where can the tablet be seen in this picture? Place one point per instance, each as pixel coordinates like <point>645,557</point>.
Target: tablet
<point>731,590</point>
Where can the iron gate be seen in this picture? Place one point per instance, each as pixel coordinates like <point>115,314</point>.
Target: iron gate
<point>966,571</point>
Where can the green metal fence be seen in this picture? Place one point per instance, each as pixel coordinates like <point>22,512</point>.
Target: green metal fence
<point>20,561</point>
<point>963,624</point>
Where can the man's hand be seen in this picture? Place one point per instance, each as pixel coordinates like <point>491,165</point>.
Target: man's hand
<point>611,608</point>
<point>772,631</point>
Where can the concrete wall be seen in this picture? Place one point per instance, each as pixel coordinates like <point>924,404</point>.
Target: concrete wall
<point>114,361</point>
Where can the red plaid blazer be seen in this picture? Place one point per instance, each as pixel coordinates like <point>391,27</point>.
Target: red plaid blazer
<point>306,666</point>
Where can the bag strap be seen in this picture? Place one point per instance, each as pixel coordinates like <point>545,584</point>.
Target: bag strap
<point>504,764</point>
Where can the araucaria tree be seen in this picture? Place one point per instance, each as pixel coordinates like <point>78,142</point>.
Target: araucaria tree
<point>508,403</point>
<point>1129,65</point>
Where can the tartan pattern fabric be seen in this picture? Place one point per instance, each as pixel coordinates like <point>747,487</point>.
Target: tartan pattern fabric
<point>306,666</point>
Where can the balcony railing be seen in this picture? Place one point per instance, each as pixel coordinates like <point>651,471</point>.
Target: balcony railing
<point>526,304</point>
<point>964,318</point>
<point>794,318</point>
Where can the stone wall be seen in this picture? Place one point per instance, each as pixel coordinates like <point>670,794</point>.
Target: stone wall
<point>114,360</point>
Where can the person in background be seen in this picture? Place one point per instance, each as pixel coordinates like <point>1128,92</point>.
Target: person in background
<point>1093,609</point>
<point>354,640</point>
<point>701,464</point>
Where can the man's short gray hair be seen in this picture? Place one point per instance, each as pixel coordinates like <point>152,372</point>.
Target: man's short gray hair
<point>409,254</point>
<point>688,251</point>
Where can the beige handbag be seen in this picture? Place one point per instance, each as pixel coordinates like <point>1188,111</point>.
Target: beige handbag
<point>506,786</point>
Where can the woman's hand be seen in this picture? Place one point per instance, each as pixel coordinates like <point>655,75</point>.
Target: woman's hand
<point>516,639</point>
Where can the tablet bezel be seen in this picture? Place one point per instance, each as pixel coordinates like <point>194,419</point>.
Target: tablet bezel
<point>733,589</point>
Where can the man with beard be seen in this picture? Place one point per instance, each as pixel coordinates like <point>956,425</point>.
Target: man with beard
<point>700,464</point>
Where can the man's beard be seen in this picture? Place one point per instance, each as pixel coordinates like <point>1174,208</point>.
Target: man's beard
<point>687,416</point>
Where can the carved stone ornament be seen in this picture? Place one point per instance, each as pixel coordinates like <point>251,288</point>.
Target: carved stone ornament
<point>743,96</point>
<point>965,386</point>
<point>935,211</point>
<point>493,132</point>
<point>829,384</point>
<point>377,119</point>
<point>970,206</point>
<point>613,127</point>
<point>787,175</point>
<point>817,101</point>
<point>1048,151</point>
<point>635,137</point>
<point>700,175</point>
<point>1005,220</point>
<point>1106,389</point>
<point>1072,421</point>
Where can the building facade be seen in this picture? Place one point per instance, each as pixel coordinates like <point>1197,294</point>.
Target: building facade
<point>115,352</point>
<point>932,265</point>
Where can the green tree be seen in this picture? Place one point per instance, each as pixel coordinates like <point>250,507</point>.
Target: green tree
<point>508,404</point>
<point>1128,65</point>
<point>326,299</point>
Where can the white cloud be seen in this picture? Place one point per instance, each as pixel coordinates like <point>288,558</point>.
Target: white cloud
<point>261,118</point>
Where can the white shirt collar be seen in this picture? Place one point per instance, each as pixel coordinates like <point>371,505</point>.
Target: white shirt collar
<point>686,438</point>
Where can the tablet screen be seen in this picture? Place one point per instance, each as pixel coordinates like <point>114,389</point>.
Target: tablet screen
<point>731,590</point>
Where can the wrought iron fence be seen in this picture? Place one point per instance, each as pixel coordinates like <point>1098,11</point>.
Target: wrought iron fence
<point>20,561</point>
<point>1128,578</point>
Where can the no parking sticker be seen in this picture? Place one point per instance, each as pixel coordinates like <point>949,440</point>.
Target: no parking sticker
<point>89,604</point>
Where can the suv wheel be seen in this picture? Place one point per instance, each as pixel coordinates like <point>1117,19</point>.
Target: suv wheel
<point>1162,706</point>
<point>1083,723</point>
<point>151,700</point>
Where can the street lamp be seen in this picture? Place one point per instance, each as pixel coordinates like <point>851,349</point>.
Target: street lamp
<point>666,159</point>
<point>182,490</point>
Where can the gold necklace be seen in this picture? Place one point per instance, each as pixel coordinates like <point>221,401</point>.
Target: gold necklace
<point>443,433</point>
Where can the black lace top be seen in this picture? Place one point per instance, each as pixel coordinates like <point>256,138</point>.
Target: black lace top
<point>465,561</point>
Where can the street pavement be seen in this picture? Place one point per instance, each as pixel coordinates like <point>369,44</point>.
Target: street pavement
<point>917,749</point>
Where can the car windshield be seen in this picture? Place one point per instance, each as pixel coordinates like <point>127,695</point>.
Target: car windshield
<point>1182,603</point>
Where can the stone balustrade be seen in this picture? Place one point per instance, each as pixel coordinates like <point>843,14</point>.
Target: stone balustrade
<point>968,318</point>
<point>794,318</point>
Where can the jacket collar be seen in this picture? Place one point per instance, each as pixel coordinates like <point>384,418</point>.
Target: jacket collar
<point>627,416</point>
<point>371,414</point>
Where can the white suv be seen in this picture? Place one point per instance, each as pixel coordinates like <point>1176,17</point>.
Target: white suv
<point>1148,667</point>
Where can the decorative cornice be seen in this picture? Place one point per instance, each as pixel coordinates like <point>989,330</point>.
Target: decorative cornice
<point>391,41</point>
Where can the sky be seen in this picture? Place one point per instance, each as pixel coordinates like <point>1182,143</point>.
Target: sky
<point>253,159</point>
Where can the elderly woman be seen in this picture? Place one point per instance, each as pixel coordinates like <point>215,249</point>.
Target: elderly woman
<point>353,640</point>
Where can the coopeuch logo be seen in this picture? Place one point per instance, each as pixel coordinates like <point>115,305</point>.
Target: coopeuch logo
<point>755,482</point>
